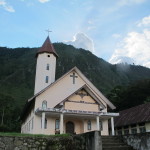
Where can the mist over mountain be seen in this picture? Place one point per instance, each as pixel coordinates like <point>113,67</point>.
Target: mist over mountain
<point>122,59</point>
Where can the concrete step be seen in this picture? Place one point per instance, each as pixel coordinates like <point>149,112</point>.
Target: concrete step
<point>113,144</point>
<point>112,141</point>
<point>118,148</point>
<point>109,137</point>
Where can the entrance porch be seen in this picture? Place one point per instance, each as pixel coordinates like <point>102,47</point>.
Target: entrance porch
<point>56,121</point>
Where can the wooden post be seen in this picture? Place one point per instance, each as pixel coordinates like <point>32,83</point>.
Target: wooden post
<point>61,123</point>
<point>43,121</point>
<point>112,126</point>
<point>97,121</point>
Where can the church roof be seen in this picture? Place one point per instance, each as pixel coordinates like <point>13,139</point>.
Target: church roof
<point>134,115</point>
<point>47,47</point>
<point>88,83</point>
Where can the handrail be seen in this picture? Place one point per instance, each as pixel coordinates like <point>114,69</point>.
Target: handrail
<point>57,110</point>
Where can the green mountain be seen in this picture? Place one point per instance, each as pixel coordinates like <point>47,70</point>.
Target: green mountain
<point>17,73</point>
<point>132,95</point>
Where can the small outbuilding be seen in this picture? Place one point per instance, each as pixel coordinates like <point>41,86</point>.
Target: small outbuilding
<point>133,120</point>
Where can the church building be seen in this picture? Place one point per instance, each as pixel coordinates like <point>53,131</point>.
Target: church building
<point>70,104</point>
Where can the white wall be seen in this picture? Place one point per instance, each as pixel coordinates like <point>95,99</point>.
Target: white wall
<point>28,125</point>
<point>42,72</point>
<point>147,126</point>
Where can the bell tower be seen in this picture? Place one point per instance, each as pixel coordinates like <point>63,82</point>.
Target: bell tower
<point>46,66</point>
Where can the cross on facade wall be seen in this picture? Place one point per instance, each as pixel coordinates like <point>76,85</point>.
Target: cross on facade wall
<point>73,76</point>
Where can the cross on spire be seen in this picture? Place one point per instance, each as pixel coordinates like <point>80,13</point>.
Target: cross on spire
<point>73,76</point>
<point>48,31</point>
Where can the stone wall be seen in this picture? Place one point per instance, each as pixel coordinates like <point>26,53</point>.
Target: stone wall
<point>87,141</point>
<point>139,141</point>
<point>35,143</point>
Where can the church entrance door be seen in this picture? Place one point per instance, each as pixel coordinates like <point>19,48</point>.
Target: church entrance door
<point>70,127</point>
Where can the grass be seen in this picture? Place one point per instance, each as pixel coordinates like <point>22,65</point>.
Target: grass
<point>31,135</point>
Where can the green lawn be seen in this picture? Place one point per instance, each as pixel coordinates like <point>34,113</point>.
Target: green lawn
<point>29,135</point>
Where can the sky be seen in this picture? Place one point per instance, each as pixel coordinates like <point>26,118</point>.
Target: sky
<point>115,30</point>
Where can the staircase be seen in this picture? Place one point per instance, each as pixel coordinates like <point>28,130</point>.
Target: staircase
<point>114,143</point>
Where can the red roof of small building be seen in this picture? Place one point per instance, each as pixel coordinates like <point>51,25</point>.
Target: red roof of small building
<point>47,47</point>
<point>134,115</point>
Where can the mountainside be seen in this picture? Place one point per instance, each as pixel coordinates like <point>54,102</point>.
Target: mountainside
<point>125,97</point>
<point>17,72</point>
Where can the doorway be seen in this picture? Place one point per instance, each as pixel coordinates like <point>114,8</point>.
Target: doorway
<point>70,127</point>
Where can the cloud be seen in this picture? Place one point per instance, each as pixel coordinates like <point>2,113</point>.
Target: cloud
<point>6,6</point>
<point>136,46</point>
<point>130,2</point>
<point>116,59</point>
<point>116,35</point>
<point>43,1</point>
<point>90,22</point>
<point>81,40</point>
<point>89,28</point>
<point>144,22</point>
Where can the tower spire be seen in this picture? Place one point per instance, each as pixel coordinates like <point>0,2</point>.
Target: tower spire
<point>47,47</point>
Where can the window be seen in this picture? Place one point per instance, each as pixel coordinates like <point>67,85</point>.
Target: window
<point>46,79</point>
<point>44,104</point>
<point>142,130</point>
<point>101,125</point>
<point>29,125</point>
<point>45,125</point>
<point>133,130</point>
<point>57,123</point>
<point>126,131</point>
<point>32,122</point>
<point>47,67</point>
<point>89,125</point>
<point>142,127</point>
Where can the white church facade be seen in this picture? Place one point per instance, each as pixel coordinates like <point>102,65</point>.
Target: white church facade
<point>71,104</point>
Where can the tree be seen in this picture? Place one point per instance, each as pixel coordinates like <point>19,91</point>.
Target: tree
<point>130,96</point>
<point>6,109</point>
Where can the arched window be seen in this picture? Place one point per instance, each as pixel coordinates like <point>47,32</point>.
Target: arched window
<point>89,125</point>
<point>45,125</point>
<point>57,123</point>
<point>44,104</point>
<point>47,67</point>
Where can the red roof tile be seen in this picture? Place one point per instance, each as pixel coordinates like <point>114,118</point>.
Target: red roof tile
<point>47,47</point>
<point>137,114</point>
